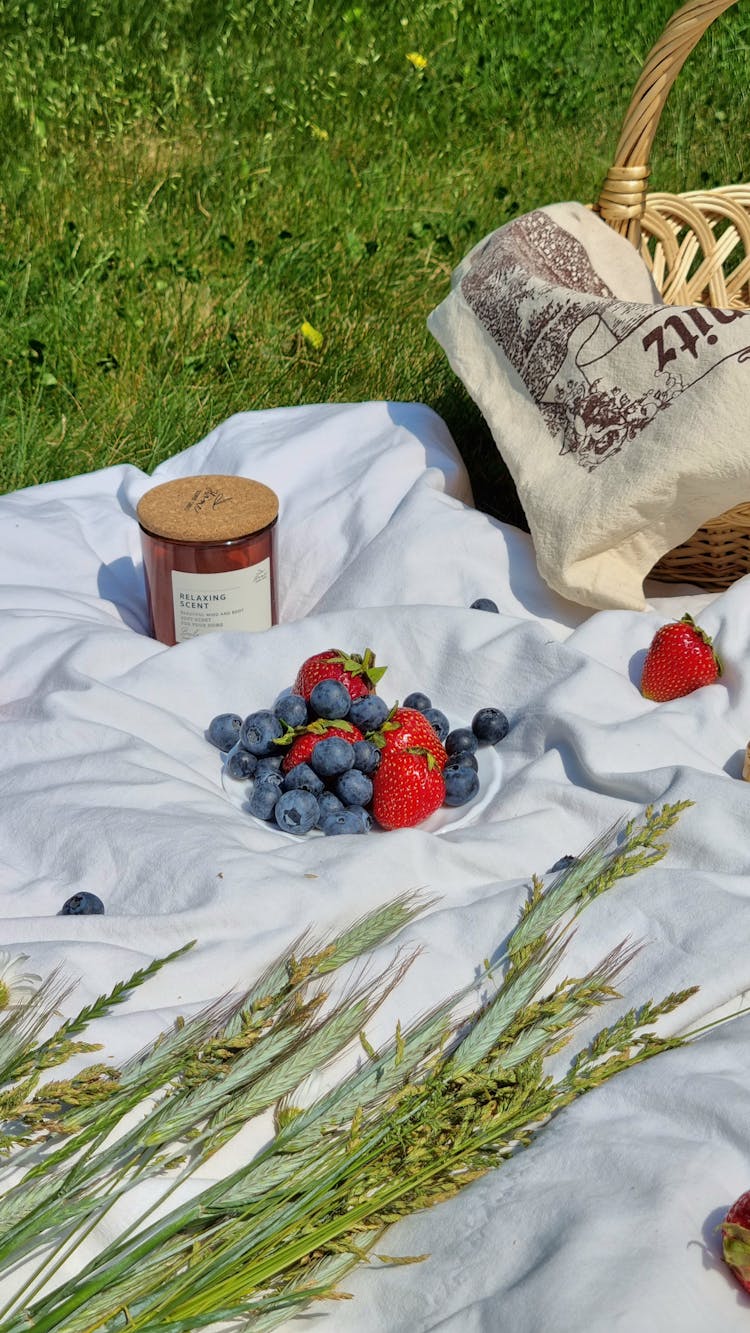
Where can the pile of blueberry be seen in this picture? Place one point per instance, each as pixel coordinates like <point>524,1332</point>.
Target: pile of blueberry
<point>308,773</point>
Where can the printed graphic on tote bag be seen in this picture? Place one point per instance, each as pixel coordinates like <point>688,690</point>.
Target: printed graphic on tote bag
<point>575,352</point>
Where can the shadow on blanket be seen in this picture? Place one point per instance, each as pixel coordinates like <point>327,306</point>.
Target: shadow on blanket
<point>121,583</point>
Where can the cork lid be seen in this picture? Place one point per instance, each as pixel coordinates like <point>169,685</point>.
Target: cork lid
<point>211,508</point>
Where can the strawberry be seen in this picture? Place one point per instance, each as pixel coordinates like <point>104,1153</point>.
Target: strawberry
<point>735,1239</point>
<point>405,728</point>
<point>304,742</point>
<point>359,675</point>
<point>407,787</point>
<point>681,659</point>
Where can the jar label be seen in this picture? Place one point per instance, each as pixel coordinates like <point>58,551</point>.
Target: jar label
<point>237,599</point>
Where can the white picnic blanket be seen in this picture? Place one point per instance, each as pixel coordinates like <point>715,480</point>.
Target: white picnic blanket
<point>108,784</point>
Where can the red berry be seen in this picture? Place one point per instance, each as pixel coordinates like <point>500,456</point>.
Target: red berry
<point>359,675</point>
<point>407,787</point>
<point>405,728</point>
<point>302,746</point>
<point>681,659</point>
<point>735,1239</point>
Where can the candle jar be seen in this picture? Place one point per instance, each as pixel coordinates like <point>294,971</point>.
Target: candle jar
<point>208,555</point>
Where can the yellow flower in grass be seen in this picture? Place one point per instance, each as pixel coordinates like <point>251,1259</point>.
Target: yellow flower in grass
<point>415,59</point>
<point>311,335</point>
<point>16,986</point>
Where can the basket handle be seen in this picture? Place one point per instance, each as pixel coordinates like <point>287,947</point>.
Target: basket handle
<point>622,199</point>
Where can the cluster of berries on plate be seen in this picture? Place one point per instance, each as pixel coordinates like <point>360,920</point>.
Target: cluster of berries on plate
<point>331,754</point>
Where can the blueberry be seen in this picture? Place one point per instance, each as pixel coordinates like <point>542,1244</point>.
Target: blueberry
<point>302,777</point>
<point>83,904</point>
<point>241,763</point>
<point>462,738</point>
<point>368,712</point>
<point>292,709</point>
<point>353,788</point>
<point>268,764</point>
<point>296,811</point>
<point>484,604</point>
<point>259,731</point>
<point>331,756</point>
<point>464,759</point>
<point>418,701</point>
<point>490,725</point>
<point>564,863</point>
<point>438,721</point>
<point>363,815</point>
<point>342,821</point>
<point>224,730</point>
<point>461,784</point>
<point>330,699</point>
<point>328,804</point>
<point>366,756</point>
<point>263,798</point>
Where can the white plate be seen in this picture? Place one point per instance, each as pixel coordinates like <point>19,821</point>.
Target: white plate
<point>444,820</point>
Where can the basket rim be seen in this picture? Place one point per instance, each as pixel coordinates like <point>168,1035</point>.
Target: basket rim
<point>622,198</point>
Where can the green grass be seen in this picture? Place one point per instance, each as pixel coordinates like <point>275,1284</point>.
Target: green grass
<point>185,183</point>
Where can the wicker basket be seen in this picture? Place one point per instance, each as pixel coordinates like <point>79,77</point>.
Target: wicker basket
<point>677,236</point>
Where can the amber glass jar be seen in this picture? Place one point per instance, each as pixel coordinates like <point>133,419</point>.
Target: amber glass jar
<point>209,555</point>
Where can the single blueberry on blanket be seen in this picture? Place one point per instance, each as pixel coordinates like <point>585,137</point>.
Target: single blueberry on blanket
<point>438,721</point>
<point>224,730</point>
<point>259,731</point>
<point>332,755</point>
<point>353,788</point>
<point>490,725</point>
<point>83,904</point>
<point>368,712</point>
<point>417,700</point>
<point>563,863</point>
<point>484,604</point>
<point>296,811</point>
<point>292,709</point>
<point>330,699</point>
<point>461,739</point>
<point>461,784</point>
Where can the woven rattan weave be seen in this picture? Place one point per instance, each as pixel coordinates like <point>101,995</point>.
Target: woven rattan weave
<point>697,246</point>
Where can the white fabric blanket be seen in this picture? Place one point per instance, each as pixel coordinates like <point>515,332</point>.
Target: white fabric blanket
<point>108,784</point>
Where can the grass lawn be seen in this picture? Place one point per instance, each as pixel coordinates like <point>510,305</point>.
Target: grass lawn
<point>185,184</point>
